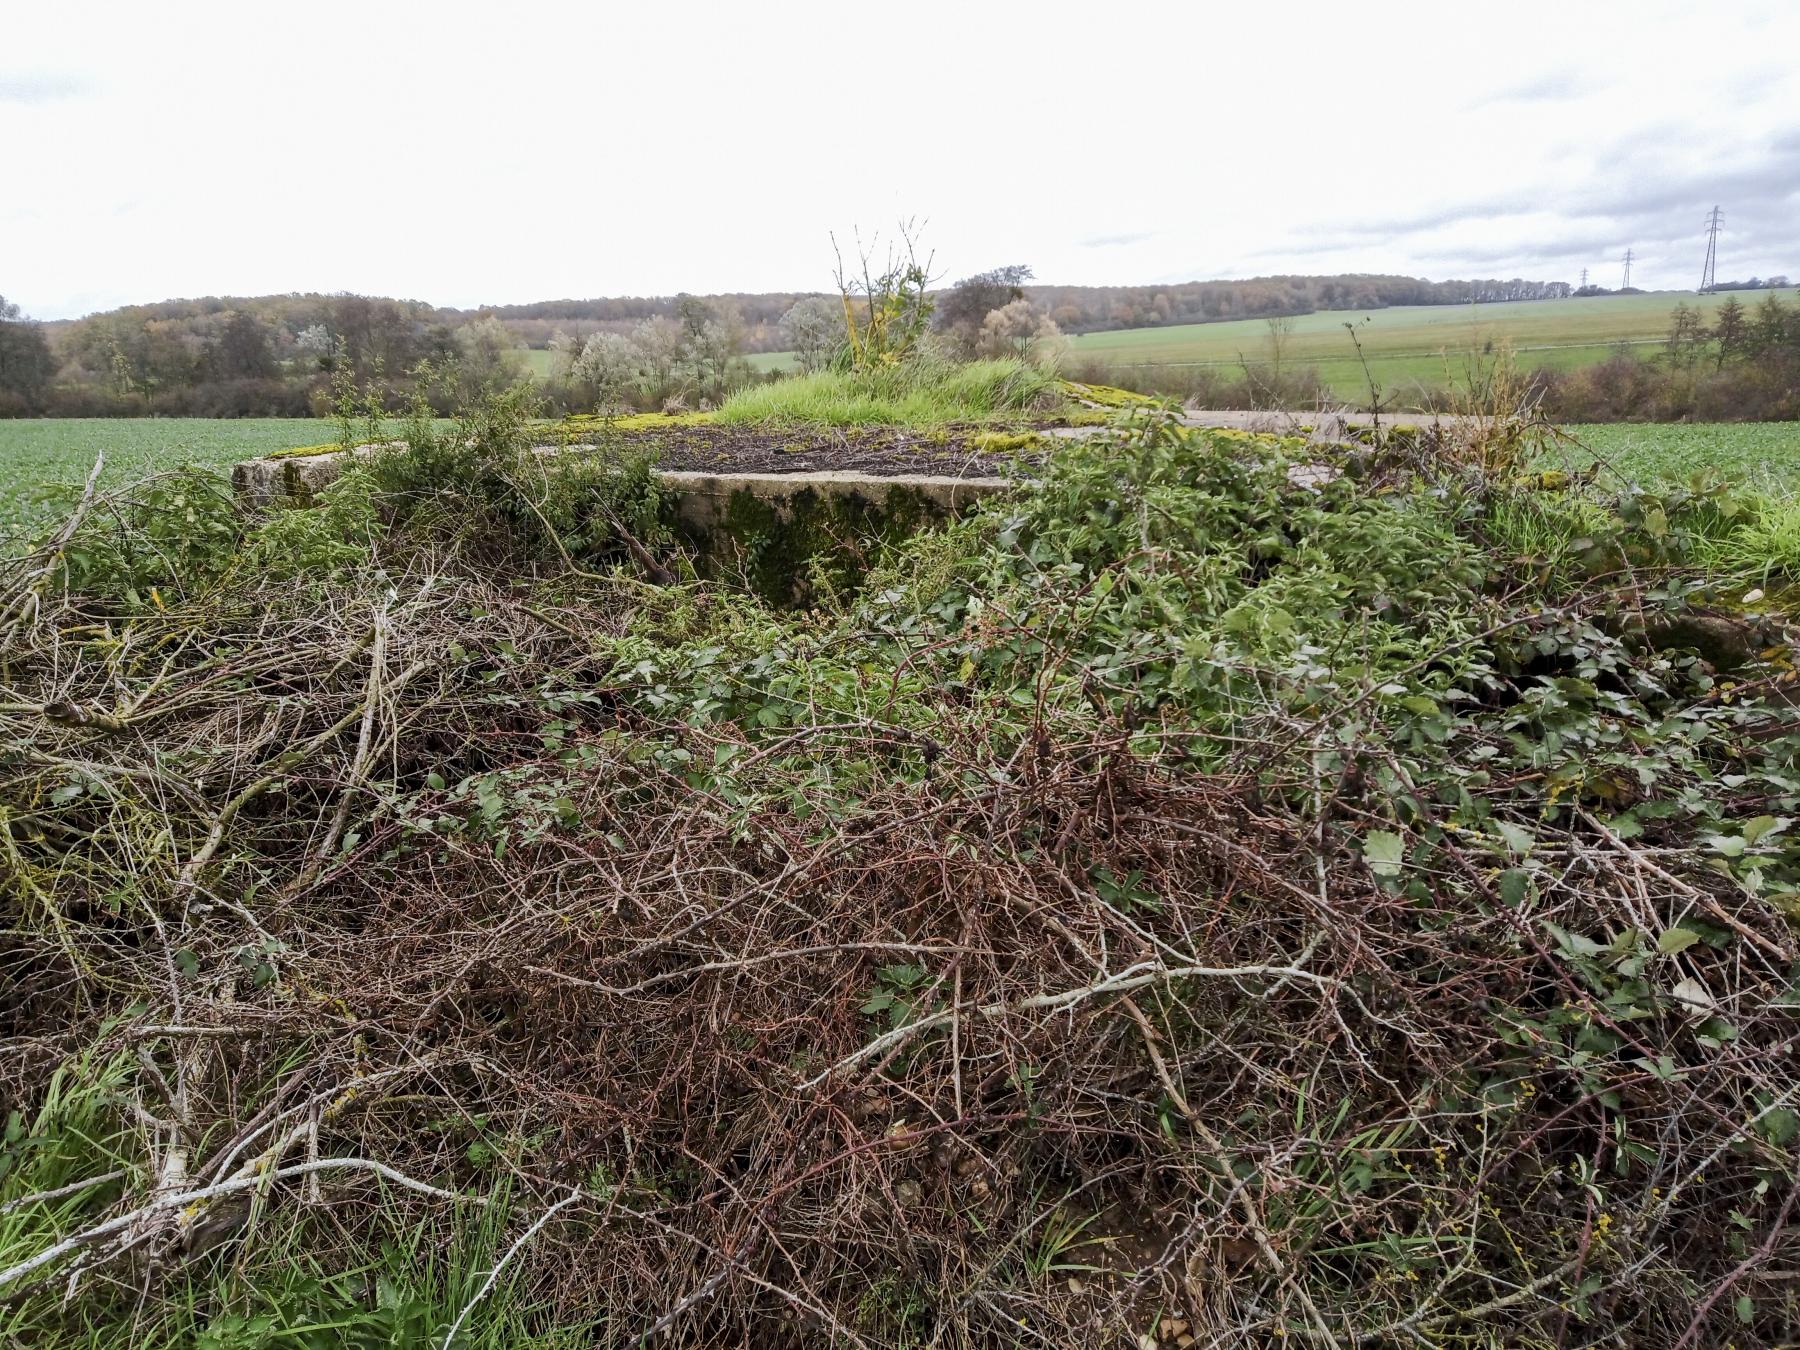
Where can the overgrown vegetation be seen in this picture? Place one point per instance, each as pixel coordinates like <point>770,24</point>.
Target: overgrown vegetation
<point>915,393</point>
<point>1235,889</point>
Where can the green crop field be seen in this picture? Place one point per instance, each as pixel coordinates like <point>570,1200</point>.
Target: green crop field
<point>43,461</point>
<point>1760,454</point>
<point>1413,346</point>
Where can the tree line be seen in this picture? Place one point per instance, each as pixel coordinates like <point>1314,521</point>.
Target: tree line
<point>291,355</point>
<point>282,355</point>
<point>1074,309</point>
<point>1090,309</point>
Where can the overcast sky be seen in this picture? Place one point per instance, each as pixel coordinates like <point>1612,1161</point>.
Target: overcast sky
<point>488,153</point>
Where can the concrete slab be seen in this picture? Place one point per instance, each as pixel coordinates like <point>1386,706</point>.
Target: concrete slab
<point>701,497</point>
<point>704,500</point>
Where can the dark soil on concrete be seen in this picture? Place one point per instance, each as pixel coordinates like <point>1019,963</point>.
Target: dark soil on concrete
<point>887,451</point>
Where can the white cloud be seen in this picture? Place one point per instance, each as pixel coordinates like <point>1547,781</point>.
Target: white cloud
<point>466,153</point>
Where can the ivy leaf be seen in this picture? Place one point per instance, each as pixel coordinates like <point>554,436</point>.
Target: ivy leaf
<point>1385,852</point>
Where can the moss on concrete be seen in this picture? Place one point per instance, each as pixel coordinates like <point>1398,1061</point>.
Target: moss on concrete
<point>1007,442</point>
<point>791,549</point>
<point>304,451</point>
<point>1105,396</point>
<point>581,425</point>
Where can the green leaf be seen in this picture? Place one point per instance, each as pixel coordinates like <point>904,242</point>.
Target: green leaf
<point>1518,838</point>
<point>1755,831</point>
<point>1574,944</point>
<point>1676,940</point>
<point>1515,886</point>
<point>1385,852</point>
<point>1745,1307</point>
<point>1663,1067</point>
<point>1781,1125</point>
<point>435,781</point>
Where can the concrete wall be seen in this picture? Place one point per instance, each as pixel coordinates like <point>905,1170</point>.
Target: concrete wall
<point>782,533</point>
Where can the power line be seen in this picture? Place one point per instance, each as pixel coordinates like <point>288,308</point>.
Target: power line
<point>1584,278</point>
<point>1628,257</point>
<point>1709,277</point>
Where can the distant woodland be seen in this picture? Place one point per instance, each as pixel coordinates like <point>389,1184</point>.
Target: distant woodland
<point>280,355</point>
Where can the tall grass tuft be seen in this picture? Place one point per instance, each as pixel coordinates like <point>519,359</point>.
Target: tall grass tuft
<point>1764,547</point>
<point>917,394</point>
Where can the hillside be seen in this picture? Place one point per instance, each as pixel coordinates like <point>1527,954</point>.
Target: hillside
<point>1413,346</point>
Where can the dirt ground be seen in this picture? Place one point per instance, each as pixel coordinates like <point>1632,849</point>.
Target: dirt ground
<point>878,450</point>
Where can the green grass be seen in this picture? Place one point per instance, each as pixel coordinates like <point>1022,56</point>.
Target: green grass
<point>1408,346</point>
<point>1763,455</point>
<point>539,361</point>
<point>764,362</point>
<point>43,461</point>
<point>905,396</point>
<point>398,1280</point>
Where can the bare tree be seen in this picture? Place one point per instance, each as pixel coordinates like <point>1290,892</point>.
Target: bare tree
<point>1015,329</point>
<point>1281,329</point>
